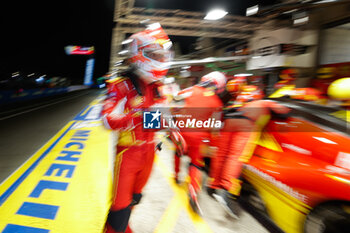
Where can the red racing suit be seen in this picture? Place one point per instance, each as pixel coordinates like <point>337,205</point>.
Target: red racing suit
<point>201,104</point>
<point>283,83</point>
<point>237,143</point>
<point>135,147</point>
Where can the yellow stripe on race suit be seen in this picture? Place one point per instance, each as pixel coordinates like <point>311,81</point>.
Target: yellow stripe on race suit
<point>236,187</point>
<point>117,165</point>
<point>286,211</point>
<point>66,185</point>
<point>254,138</point>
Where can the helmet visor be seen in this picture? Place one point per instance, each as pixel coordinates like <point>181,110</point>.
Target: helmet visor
<point>159,55</point>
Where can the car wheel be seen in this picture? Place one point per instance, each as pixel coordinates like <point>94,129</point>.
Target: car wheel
<point>328,218</point>
<point>252,197</point>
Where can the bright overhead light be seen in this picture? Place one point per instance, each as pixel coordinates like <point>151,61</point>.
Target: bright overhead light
<point>242,75</point>
<point>290,11</point>
<point>39,80</point>
<point>127,41</point>
<point>215,14</point>
<point>144,21</point>
<point>123,52</point>
<point>301,20</point>
<point>324,1</point>
<point>208,59</point>
<point>252,10</point>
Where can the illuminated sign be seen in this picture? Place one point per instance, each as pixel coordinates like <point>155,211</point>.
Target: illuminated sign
<point>79,50</point>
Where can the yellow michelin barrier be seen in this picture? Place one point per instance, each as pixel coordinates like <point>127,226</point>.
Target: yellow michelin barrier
<point>66,185</point>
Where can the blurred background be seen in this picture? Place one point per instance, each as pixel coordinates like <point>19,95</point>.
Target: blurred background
<point>38,38</point>
<point>253,38</point>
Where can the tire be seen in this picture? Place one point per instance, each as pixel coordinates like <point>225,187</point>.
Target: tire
<point>251,201</point>
<point>250,196</point>
<point>329,218</point>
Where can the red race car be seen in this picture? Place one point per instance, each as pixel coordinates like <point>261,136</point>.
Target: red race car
<point>299,175</point>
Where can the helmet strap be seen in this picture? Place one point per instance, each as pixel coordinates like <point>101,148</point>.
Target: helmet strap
<point>225,96</point>
<point>132,75</point>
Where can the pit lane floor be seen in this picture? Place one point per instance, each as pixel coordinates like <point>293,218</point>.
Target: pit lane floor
<point>25,127</point>
<point>164,207</point>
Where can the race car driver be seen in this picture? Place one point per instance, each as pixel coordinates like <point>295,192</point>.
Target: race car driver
<point>235,85</point>
<point>133,92</point>
<point>201,102</point>
<point>288,77</point>
<point>237,142</point>
<point>249,93</point>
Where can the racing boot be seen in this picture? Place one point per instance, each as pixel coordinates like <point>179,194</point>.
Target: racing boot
<point>194,200</point>
<point>211,192</point>
<point>228,202</point>
<point>109,229</point>
<point>176,179</point>
<point>177,167</point>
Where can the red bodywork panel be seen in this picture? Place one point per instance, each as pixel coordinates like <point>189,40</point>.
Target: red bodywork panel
<point>314,161</point>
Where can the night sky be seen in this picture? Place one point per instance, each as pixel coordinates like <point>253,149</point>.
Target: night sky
<point>34,33</point>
